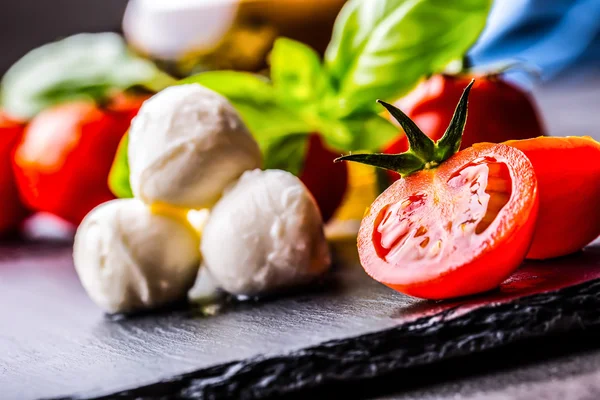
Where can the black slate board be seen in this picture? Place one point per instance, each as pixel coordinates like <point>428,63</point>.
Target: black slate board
<point>54,342</point>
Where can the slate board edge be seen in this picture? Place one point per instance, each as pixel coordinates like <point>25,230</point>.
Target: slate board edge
<point>414,344</point>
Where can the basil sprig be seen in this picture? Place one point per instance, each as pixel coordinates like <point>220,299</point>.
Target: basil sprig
<point>380,49</point>
<point>299,99</point>
<point>84,66</point>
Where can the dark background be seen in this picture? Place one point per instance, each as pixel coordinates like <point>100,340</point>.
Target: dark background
<point>26,24</point>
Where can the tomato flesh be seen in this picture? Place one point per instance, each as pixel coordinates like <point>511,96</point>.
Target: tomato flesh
<point>456,230</point>
<point>479,191</point>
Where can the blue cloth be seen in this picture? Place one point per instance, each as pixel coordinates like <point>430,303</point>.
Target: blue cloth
<point>555,36</point>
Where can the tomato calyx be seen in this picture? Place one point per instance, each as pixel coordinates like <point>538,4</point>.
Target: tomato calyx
<point>423,153</point>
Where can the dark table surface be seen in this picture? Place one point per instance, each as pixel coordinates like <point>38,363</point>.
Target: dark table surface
<point>54,342</point>
<point>572,374</point>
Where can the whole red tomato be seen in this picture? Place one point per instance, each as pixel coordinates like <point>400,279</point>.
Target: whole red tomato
<point>64,158</point>
<point>12,210</point>
<point>325,180</point>
<point>498,111</point>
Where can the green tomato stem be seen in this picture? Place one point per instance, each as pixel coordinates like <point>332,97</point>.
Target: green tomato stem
<point>450,142</point>
<point>404,164</point>
<point>423,153</point>
<point>420,144</point>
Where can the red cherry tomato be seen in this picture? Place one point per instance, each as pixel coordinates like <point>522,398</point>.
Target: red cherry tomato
<point>62,162</point>
<point>326,181</point>
<point>568,174</point>
<point>456,230</point>
<point>498,111</point>
<point>126,106</point>
<point>12,210</point>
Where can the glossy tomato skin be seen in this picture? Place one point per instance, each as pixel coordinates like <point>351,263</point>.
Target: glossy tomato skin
<point>12,209</point>
<point>498,111</point>
<point>64,158</point>
<point>568,173</point>
<point>433,248</point>
<point>125,106</point>
<point>326,180</point>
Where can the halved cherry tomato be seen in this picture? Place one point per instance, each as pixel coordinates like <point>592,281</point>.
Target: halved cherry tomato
<point>568,173</point>
<point>62,162</point>
<point>499,111</point>
<point>456,224</point>
<point>456,230</point>
<point>12,209</point>
<point>325,180</point>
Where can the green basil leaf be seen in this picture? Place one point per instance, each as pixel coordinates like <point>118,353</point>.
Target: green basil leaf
<point>336,133</point>
<point>381,48</point>
<point>287,153</point>
<point>118,178</point>
<point>362,132</point>
<point>83,66</point>
<point>297,74</point>
<point>372,132</point>
<point>255,99</point>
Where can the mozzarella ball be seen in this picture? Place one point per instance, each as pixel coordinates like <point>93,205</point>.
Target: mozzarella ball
<point>130,258</point>
<point>205,289</point>
<point>186,145</point>
<point>198,218</point>
<point>266,233</point>
<point>170,30</point>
